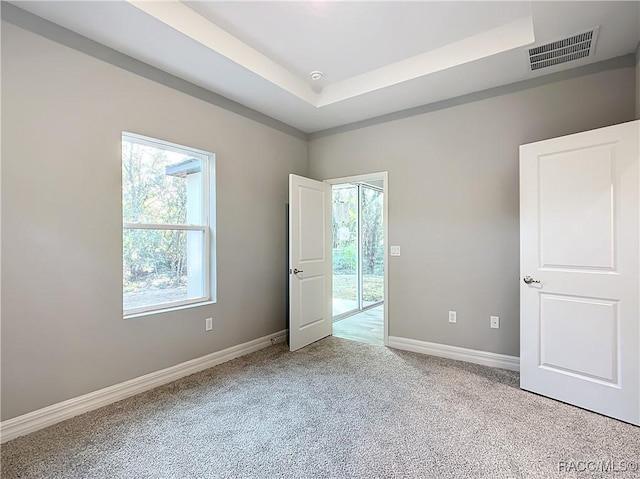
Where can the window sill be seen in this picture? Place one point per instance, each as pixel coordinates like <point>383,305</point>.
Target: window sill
<point>168,310</point>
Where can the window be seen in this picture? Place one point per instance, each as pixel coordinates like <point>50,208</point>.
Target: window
<point>166,224</point>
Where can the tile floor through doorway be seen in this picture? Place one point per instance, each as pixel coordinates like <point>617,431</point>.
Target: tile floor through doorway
<point>366,326</point>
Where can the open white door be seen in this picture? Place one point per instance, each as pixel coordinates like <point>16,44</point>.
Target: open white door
<point>310,238</point>
<point>579,296</point>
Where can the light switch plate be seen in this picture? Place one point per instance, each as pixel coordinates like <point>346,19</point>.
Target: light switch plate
<point>395,251</point>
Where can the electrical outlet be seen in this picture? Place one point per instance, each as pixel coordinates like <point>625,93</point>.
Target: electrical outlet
<point>452,317</point>
<point>208,324</point>
<point>495,322</point>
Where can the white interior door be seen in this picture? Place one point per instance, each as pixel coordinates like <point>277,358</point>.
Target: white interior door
<point>579,220</point>
<point>309,261</point>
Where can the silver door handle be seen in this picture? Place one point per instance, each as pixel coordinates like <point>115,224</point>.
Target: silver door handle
<point>296,271</point>
<point>528,280</point>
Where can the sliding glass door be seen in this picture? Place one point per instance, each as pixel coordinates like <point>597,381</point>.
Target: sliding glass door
<point>371,247</point>
<point>358,249</point>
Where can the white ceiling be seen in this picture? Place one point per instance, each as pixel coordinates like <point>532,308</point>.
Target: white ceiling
<point>377,57</point>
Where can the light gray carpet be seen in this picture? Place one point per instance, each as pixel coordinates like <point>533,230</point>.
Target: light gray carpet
<point>336,409</point>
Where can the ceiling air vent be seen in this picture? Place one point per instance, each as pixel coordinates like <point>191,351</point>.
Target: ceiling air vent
<point>566,50</point>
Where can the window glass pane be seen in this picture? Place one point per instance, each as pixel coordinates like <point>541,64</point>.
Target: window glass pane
<point>372,247</point>
<point>162,266</point>
<point>160,185</point>
<point>345,249</point>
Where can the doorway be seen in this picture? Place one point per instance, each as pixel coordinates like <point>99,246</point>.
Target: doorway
<point>359,224</point>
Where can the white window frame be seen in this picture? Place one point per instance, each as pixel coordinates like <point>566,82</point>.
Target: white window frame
<point>208,167</point>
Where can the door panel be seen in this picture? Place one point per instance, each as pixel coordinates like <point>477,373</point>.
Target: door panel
<point>312,247</point>
<point>313,297</point>
<point>576,210</point>
<point>579,220</point>
<point>590,322</point>
<point>309,261</point>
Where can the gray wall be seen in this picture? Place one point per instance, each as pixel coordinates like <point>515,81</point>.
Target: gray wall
<point>62,329</point>
<point>638,82</point>
<point>453,200</point>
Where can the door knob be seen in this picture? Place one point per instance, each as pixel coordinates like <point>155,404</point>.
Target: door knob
<point>528,280</point>
<point>296,271</point>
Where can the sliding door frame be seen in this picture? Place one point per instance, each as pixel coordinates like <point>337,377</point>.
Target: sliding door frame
<point>384,177</point>
<point>361,306</point>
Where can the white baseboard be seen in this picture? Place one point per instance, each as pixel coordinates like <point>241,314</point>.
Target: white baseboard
<point>454,352</point>
<point>33,421</point>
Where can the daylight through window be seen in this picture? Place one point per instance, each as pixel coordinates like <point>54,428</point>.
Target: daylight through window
<point>166,224</point>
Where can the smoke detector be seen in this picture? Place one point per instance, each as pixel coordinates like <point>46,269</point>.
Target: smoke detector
<point>580,45</point>
<point>316,75</point>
